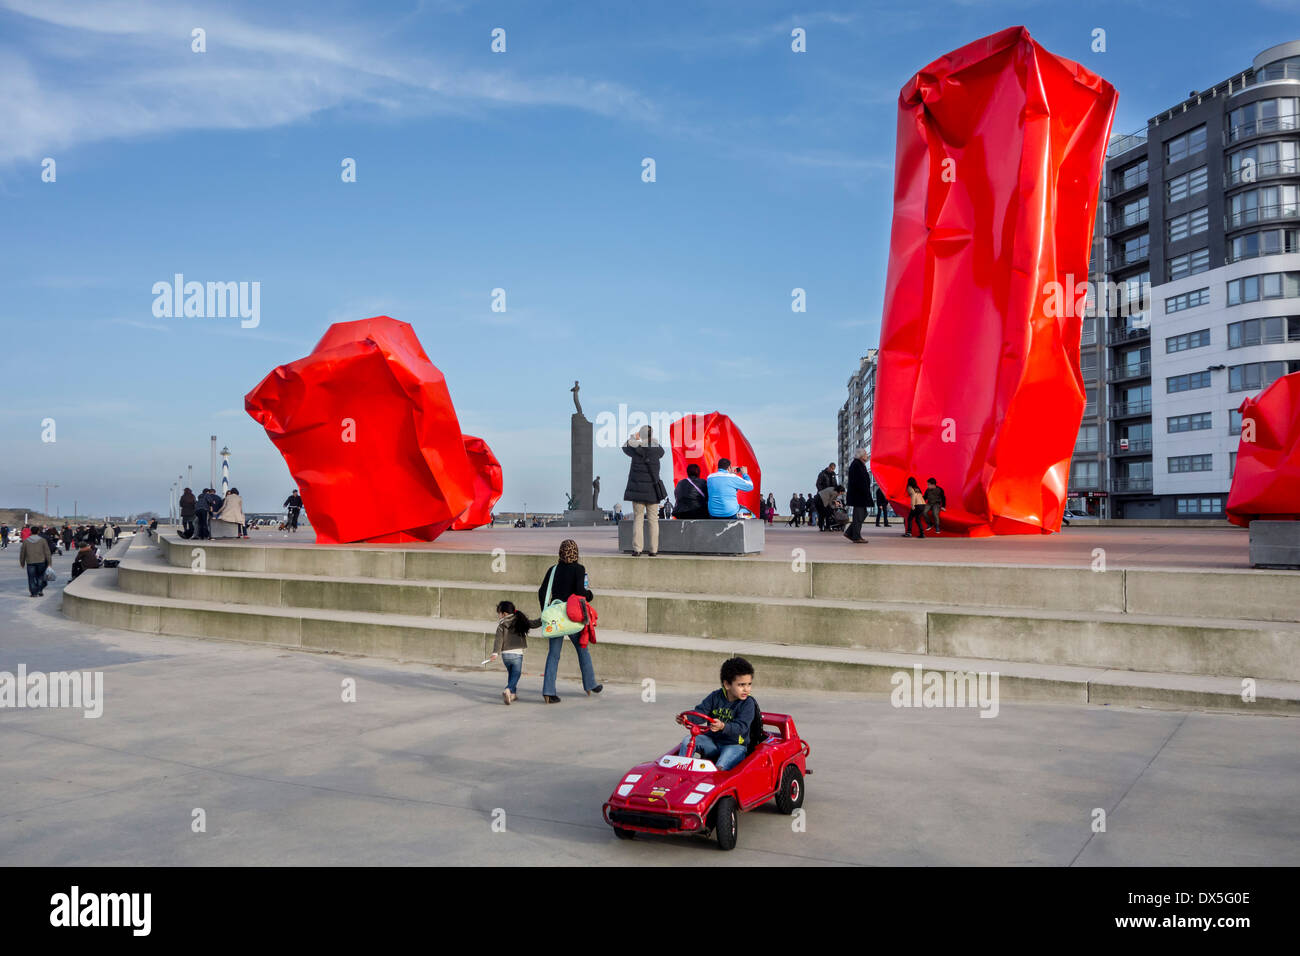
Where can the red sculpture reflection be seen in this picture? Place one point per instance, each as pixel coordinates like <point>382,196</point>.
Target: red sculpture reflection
<point>487,485</point>
<point>1266,482</point>
<point>368,430</point>
<point>703,439</point>
<point>1000,152</point>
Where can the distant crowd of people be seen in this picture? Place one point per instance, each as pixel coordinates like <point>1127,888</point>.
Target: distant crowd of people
<point>39,544</point>
<point>198,512</point>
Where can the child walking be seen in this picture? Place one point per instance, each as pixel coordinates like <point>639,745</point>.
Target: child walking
<point>511,640</point>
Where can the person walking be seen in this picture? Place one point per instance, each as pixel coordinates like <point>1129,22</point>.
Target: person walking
<point>935,502</point>
<point>510,643</point>
<point>4,537</point>
<point>882,506</point>
<point>187,513</point>
<point>232,510</point>
<point>67,539</point>
<point>858,496</point>
<point>917,510</point>
<point>644,488</point>
<point>564,579</point>
<point>796,510</point>
<point>34,555</point>
<point>771,507</point>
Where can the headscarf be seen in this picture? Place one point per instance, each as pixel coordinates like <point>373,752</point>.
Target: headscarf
<point>568,551</point>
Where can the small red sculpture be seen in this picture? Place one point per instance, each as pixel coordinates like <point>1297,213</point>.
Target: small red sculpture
<point>368,430</point>
<point>703,440</point>
<point>487,485</point>
<point>1000,152</point>
<point>1266,482</point>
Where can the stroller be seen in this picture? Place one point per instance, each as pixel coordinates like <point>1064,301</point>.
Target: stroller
<point>838,519</point>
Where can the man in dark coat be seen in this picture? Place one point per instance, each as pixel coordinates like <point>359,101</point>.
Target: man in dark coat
<point>644,487</point>
<point>294,505</point>
<point>858,496</point>
<point>882,506</point>
<point>187,513</point>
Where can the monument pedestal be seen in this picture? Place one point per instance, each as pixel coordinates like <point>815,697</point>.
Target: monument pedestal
<point>580,518</point>
<point>702,536</point>
<point>1275,544</point>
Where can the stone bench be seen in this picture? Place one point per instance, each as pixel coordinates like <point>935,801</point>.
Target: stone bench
<point>1275,544</point>
<point>701,536</point>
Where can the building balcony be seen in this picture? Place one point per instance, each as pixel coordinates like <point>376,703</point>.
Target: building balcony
<point>1116,224</point>
<point>1130,486</point>
<point>1131,446</point>
<point>1121,185</point>
<point>1269,74</point>
<point>1086,447</point>
<point>1119,145</point>
<point>1248,217</point>
<point>1120,373</point>
<point>1078,486</point>
<point>1122,260</point>
<point>1261,127</point>
<point>1130,409</point>
<point>1090,410</point>
<point>1253,173</point>
<point>1089,336</point>
<point>1128,333</point>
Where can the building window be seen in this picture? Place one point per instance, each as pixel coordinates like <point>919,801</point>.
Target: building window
<point>1134,212</point>
<point>1087,440</point>
<point>1083,474</point>
<point>1234,422</point>
<point>1262,205</point>
<point>1268,331</point>
<point>1189,423</point>
<point>1264,116</point>
<point>1134,174</point>
<point>1179,464</point>
<point>1256,375</point>
<point>1263,159</point>
<point>1188,300</point>
<point>1269,242</point>
<point>1232,463</point>
<point>1136,248</point>
<point>1190,340</point>
<point>1189,264</point>
<point>1199,506</point>
<point>1271,285</point>
<point>1185,383</point>
<point>1188,224</point>
<point>1186,185</point>
<point>1188,144</point>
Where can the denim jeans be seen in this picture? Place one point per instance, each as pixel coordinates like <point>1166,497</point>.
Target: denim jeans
<point>36,576</point>
<point>204,532</point>
<point>514,668</point>
<point>724,757</point>
<point>553,665</point>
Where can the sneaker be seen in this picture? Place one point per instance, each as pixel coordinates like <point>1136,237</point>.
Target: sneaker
<point>505,695</point>
<point>907,534</point>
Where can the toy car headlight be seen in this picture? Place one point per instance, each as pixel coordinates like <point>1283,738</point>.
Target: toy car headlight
<point>693,798</point>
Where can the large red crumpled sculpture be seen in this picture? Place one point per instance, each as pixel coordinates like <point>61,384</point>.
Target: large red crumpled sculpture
<point>368,430</point>
<point>1001,147</point>
<point>487,485</point>
<point>1266,482</point>
<point>703,439</point>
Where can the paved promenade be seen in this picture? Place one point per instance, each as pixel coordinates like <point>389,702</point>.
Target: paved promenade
<point>1226,547</point>
<point>287,773</point>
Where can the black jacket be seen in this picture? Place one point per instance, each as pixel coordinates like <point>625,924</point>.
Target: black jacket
<point>187,505</point>
<point>689,501</point>
<point>643,476</point>
<point>858,490</point>
<point>570,579</point>
<point>826,479</point>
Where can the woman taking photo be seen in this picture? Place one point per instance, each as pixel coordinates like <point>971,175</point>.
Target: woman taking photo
<point>564,579</point>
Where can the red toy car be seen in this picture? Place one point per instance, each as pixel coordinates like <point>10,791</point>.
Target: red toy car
<point>686,795</point>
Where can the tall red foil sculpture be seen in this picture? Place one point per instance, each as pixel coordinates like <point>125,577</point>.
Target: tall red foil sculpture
<point>703,439</point>
<point>487,485</point>
<point>366,425</point>
<point>1266,482</point>
<point>1000,153</point>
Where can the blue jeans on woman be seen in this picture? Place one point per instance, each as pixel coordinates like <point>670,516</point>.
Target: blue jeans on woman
<point>514,669</point>
<point>553,666</point>
<point>724,757</point>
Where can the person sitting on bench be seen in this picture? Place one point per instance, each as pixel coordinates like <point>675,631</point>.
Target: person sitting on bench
<point>691,495</point>
<point>723,485</point>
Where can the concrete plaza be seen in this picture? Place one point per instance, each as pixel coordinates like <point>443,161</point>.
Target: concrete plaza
<point>260,739</point>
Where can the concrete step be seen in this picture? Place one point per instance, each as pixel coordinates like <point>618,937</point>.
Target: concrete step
<point>94,598</point>
<point>1158,643</point>
<point>1222,594</point>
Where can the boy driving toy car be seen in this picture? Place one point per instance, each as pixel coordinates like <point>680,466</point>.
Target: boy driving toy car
<point>733,712</point>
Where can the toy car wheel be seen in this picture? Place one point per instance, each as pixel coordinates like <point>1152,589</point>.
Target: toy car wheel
<point>725,821</point>
<point>624,834</point>
<point>790,797</point>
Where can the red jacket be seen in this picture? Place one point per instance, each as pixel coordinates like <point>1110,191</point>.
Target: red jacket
<point>579,609</point>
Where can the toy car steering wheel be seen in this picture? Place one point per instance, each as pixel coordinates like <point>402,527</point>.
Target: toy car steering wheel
<point>694,728</point>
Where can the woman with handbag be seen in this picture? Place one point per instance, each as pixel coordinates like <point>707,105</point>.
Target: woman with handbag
<point>644,488</point>
<point>565,578</point>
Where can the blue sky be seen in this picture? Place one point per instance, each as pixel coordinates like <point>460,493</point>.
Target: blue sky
<point>475,170</point>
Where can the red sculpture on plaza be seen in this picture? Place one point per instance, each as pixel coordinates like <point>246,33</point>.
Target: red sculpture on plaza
<point>1000,153</point>
<point>487,485</point>
<point>703,439</point>
<point>367,427</point>
<point>1266,482</point>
